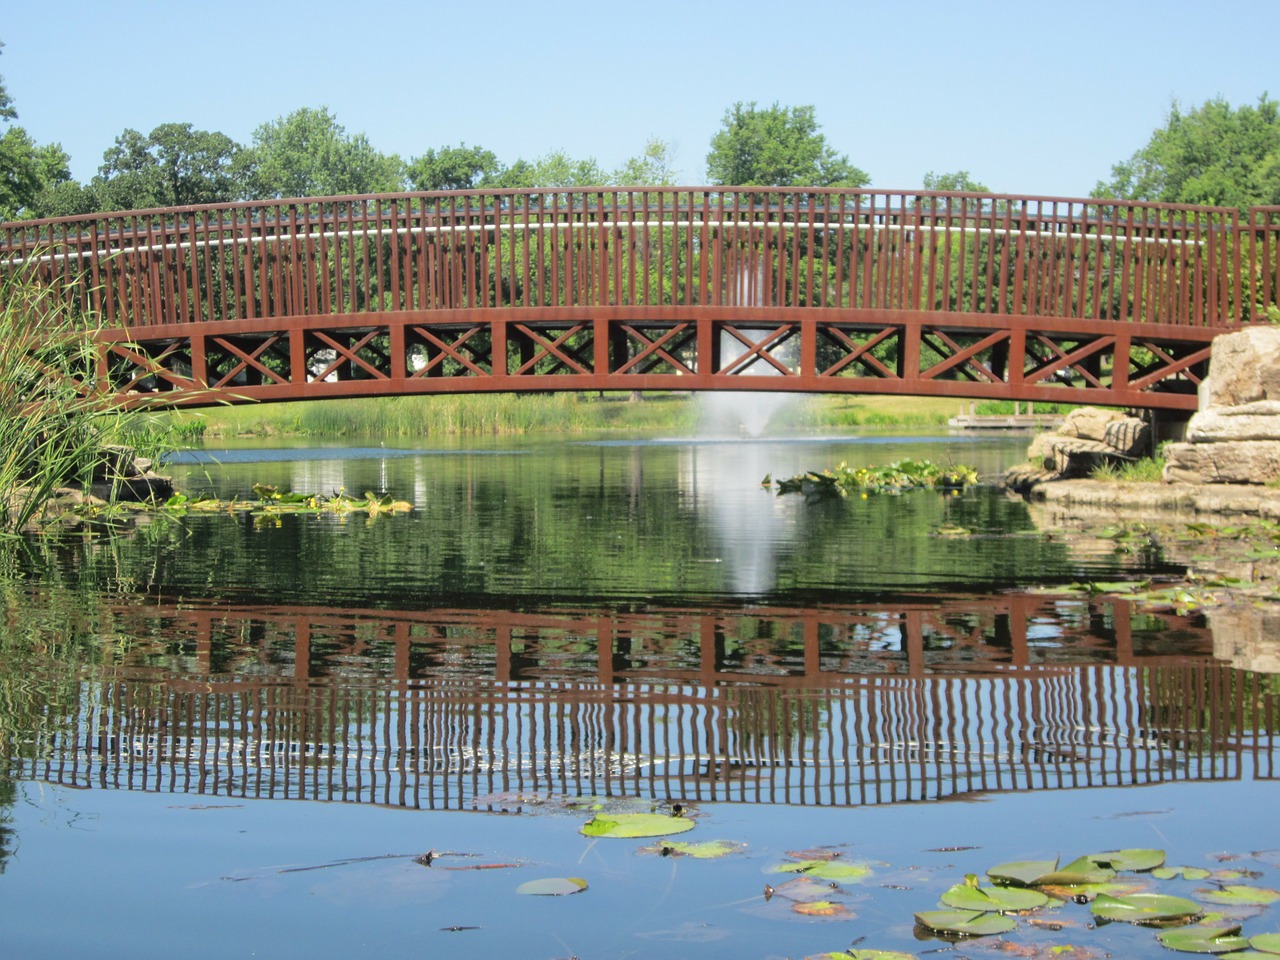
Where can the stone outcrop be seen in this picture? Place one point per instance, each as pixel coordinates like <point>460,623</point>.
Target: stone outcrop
<point>1086,439</point>
<point>1235,437</point>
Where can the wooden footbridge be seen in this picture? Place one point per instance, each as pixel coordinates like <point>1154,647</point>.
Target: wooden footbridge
<point>707,288</point>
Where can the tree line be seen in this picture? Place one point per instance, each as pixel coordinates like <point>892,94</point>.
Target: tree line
<point>1214,154</point>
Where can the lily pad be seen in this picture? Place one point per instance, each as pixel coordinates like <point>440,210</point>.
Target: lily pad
<point>1080,870</point>
<point>1114,888</point>
<point>1144,908</point>
<point>1025,873</point>
<point>826,869</point>
<point>552,887</point>
<point>863,955</point>
<point>1187,873</point>
<point>965,923</point>
<point>631,826</point>
<point>825,909</point>
<point>964,896</point>
<point>1266,942</point>
<point>1203,939</point>
<point>710,850</point>
<point>1240,895</point>
<point>1131,860</point>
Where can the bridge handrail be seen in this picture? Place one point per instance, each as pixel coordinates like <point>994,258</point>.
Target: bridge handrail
<point>940,251</point>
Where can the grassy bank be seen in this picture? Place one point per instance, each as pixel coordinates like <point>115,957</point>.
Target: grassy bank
<point>563,413</point>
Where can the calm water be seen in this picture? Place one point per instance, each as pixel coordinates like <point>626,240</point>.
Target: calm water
<point>230,735</point>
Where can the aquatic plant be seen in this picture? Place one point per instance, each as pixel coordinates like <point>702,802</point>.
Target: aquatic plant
<point>890,478</point>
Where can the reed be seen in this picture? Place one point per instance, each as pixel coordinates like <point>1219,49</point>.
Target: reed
<point>55,425</point>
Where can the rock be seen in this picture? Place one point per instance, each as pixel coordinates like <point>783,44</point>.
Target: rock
<point>1222,424</point>
<point>1230,461</point>
<point>1246,367</point>
<point>1128,436</point>
<point>1089,423</point>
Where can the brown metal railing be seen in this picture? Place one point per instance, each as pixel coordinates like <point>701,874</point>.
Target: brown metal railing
<point>846,250</point>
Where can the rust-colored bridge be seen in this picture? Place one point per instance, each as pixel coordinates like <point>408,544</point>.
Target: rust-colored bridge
<point>709,288</point>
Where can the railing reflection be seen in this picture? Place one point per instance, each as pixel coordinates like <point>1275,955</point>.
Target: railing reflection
<point>850,706</point>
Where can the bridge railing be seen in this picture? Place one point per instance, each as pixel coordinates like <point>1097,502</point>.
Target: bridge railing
<point>859,250</point>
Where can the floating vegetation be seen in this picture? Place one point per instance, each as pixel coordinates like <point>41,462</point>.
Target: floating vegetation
<point>1200,939</point>
<point>892,478</point>
<point>274,502</point>
<point>630,826</point>
<point>1145,908</point>
<point>552,887</point>
<point>710,850</point>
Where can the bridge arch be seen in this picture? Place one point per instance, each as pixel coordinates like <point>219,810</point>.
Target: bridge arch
<point>689,288</point>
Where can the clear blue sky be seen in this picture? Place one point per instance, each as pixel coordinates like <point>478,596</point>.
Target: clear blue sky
<point>1029,96</point>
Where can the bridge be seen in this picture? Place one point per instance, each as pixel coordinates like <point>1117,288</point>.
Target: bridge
<point>692,288</point>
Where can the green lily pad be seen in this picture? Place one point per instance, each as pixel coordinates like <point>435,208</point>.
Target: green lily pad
<point>1130,860</point>
<point>1203,939</point>
<point>1266,942</point>
<point>1080,870</point>
<point>552,887</point>
<point>1240,895</point>
<point>631,826</point>
<point>826,869</point>
<point>710,850</point>
<point>1187,873</point>
<point>863,955</point>
<point>1025,873</point>
<point>1113,888</point>
<point>965,923</point>
<point>964,896</point>
<point>1144,908</point>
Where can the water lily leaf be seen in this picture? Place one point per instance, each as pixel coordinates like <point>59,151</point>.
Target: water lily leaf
<point>1025,873</point>
<point>1080,870</point>
<point>826,869</point>
<point>710,850</point>
<point>965,923</point>
<point>863,955</point>
<point>1075,891</point>
<point>631,826</point>
<point>1144,908</point>
<point>995,899</point>
<point>1240,895</point>
<point>822,908</point>
<point>1266,942</point>
<point>552,887</point>
<point>1131,860</point>
<point>1203,939</point>
<point>1187,873</point>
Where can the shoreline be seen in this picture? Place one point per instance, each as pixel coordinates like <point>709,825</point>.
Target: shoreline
<point>1171,500</point>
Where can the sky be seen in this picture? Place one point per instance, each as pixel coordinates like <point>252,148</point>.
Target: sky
<point>1029,96</point>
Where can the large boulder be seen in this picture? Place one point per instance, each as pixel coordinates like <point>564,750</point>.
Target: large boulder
<point>1245,367</point>
<point>1228,461</point>
<point>1259,420</point>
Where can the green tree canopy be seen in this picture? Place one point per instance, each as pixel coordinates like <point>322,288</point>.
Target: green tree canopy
<point>654,167</point>
<point>309,154</point>
<point>453,168</point>
<point>28,171</point>
<point>174,165</point>
<point>777,146</point>
<point>1214,154</point>
<point>957,181</point>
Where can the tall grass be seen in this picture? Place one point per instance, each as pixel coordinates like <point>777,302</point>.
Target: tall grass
<point>54,423</point>
<point>550,414</point>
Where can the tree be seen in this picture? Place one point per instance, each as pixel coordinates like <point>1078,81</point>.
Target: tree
<point>309,154</point>
<point>174,165</point>
<point>953,182</point>
<point>453,168</point>
<point>1213,155</point>
<point>655,167</point>
<point>28,171</point>
<point>778,146</point>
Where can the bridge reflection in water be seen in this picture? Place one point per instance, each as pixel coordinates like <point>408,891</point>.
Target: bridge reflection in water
<point>843,706</point>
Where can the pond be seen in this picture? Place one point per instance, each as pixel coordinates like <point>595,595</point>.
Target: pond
<point>245,733</point>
